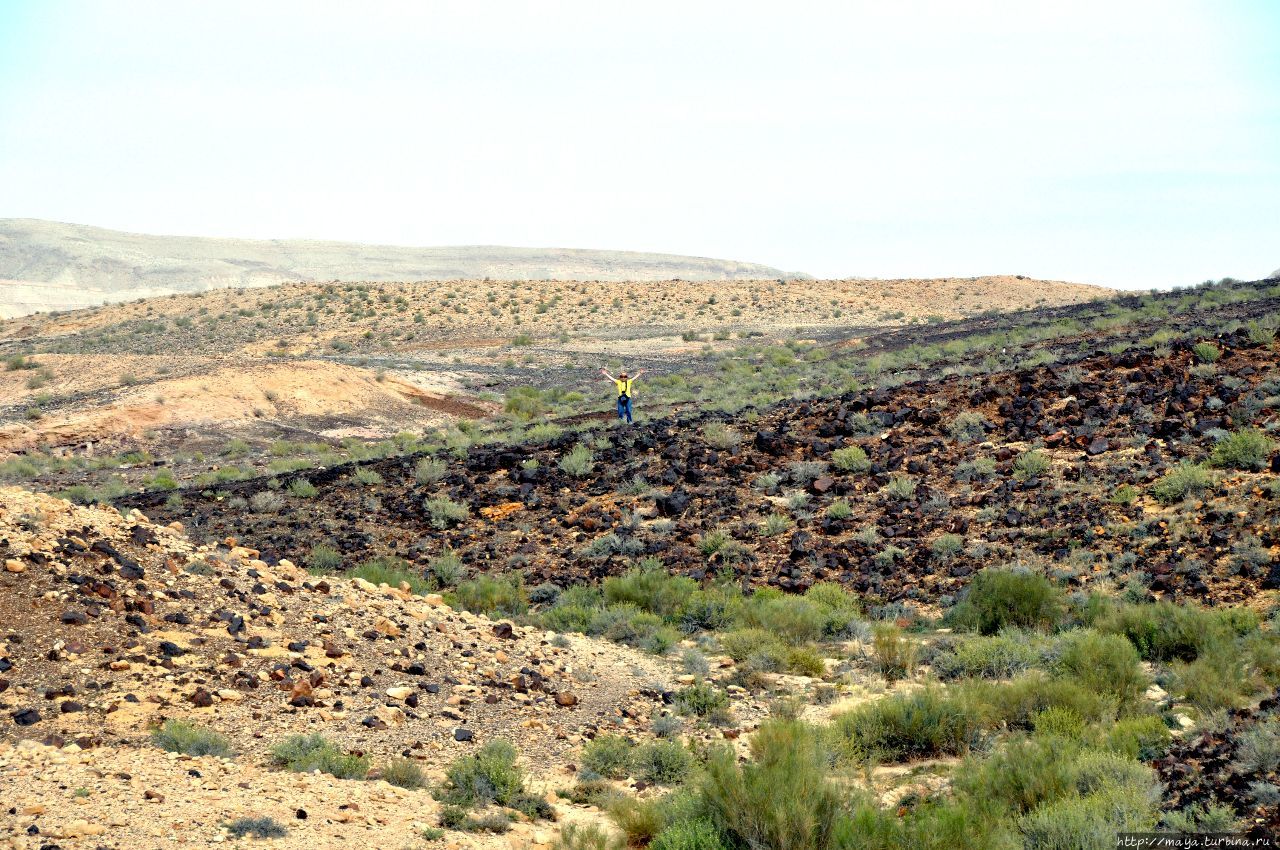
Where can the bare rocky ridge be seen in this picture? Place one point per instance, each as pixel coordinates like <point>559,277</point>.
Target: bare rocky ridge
<point>48,265</point>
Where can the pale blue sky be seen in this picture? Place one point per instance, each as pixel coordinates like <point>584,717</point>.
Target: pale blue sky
<point>1125,143</point>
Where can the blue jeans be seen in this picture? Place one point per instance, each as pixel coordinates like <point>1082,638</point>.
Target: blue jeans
<point>624,407</point>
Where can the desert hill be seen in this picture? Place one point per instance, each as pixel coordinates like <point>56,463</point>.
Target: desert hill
<point>46,265</point>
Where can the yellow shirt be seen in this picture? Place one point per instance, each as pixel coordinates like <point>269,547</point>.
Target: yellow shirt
<point>624,387</point>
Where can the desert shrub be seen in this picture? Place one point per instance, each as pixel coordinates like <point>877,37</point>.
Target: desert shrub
<point>768,482</point>
<point>1145,738</point>
<point>1215,680</point>
<point>306,753</point>
<point>700,700</point>
<point>697,834</point>
<point>805,661</point>
<point>488,776</point>
<point>850,459</point>
<point>1021,775</point>
<point>895,653</point>
<point>643,820</point>
<point>576,836</point>
<point>266,502</point>
<point>946,546</point>
<point>1060,722</point>
<point>446,568</point>
<point>1207,352</point>
<point>625,623</point>
<point>990,657</point>
<point>900,487</point>
<point>662,762</point>
<point>607,755</point>
<point>579,461</point>
<point>1164,631</point>
<point>1125,494</point>
<point>1030,465</point>
<point>178,736</point>
<point>367,476</point>
<point>1248,448</point>
<point>968,426</point>
<point>999,599</point>
<point>978,469</point>
<point>721,436</point>
<point>650,588</point>
<point>919,724</point>
<point>741,644</point>
<point>1103,663</point>
<point>1088,822</point>
<point>391,571</point>
<point>404,773</point>
<point>794,619</point>
<point>1018,702</point>
<point>445,512</point>
<point>261,827</point>
<point>489,595</point>
<point>781,799</point>
<point>1186,479</point>
<point>302,488</point>
<point>839,509</point>
<point>1259,748</point>
<point>429,470</point>
<point>1200,819</point>
<point>839,608</point>
<point>324,559</point>
<point>803,471</point>
<point>774,524</point>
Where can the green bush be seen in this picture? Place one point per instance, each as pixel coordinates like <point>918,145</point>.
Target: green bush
<point>999,599</point>
<point>920,724</point>
<point>306,753</point>
<point>579,461</point>
<point>575,836</point>
<point>1207,352</point>
<point>391,571</point>
<point>302,488</point>
<point>968,426</point>
<point>488,776</point>
<point>1018,702</point>
<point>1164,631</point>
<point>607,755</point>
<point>1021,775</point>
<point>991,657</point>
<point>446,568</point>
<point>900,487</point>
<point>696,834</point>
<point>850,459</point>
<point>429,470</point>
<point>261,827</point>
<point>839,509</point>
<point>781,799</point>
<point>895,653</point>
<point>1216,680</point>
<point>178,736</point>
<point>1105,664</point>
<point>1090,822</point>
<point>1143,738</point>
<point>662,762</point>
<point>946,546</point>
<point>404,773</point>
<point>650,588</point>
<point>794,619</point>
<point>366,476</point>
<point>839,608</point>
<point>445,512</point>
<point>1249,449</point>
<point>774,524</point>
<point>741,644</point>
<point>324,559</point>
<point>1187,479</point>
<point>1030,465</point>
<point>487,595</point>
<point>700,700</point>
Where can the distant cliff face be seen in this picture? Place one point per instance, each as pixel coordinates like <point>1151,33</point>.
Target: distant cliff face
<point>48,265</point>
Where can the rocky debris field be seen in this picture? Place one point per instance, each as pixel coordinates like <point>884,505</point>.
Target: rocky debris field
<point>900,493</point>
<point>1237,765</point>
<point>111,624</point>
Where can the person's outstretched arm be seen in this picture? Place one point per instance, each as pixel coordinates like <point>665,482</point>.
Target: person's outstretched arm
<point>638,374</point>
<point>607,375</point>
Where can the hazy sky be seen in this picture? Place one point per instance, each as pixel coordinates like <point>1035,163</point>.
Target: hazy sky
<point>1123,143</point>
